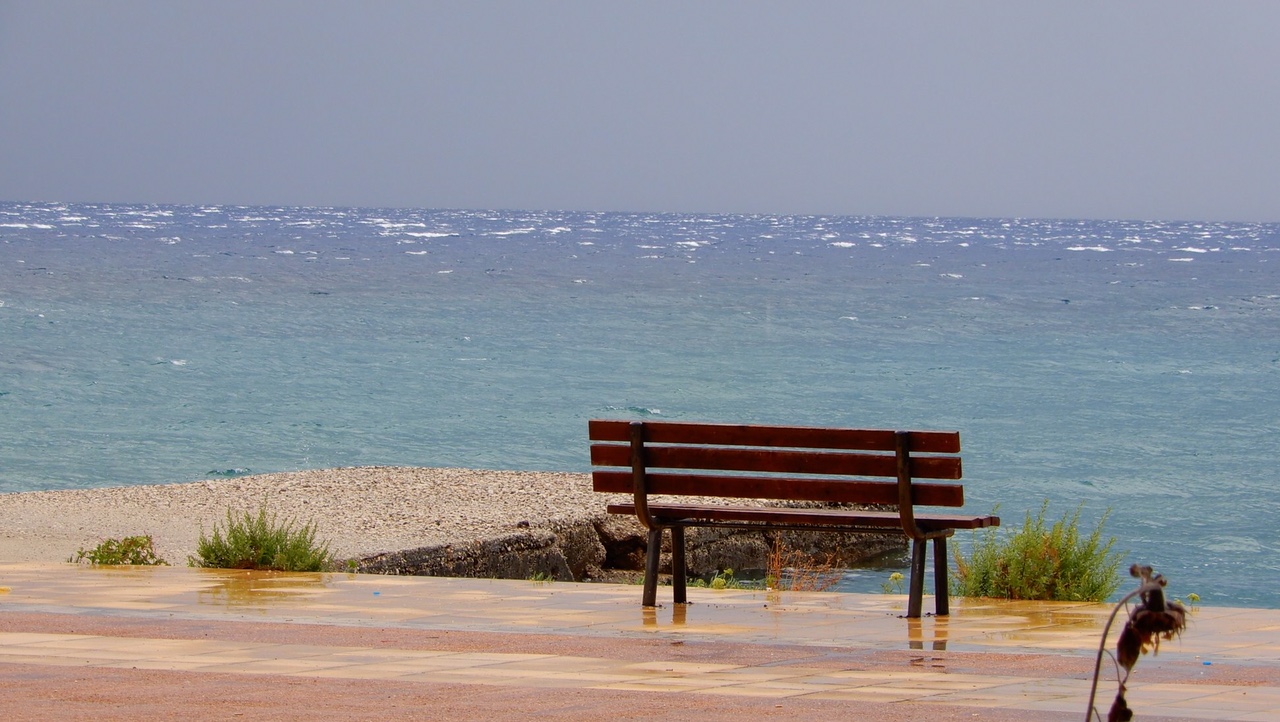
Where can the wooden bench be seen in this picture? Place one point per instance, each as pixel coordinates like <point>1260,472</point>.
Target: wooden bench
<point>783,463</point>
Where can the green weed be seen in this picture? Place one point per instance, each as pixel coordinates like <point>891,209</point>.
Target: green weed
<point>722,580</point>
<point>260,542</point>
<point>1039,561</point>
<point>128,550</point>
<point>894,585</point>
<point>1193,601</point>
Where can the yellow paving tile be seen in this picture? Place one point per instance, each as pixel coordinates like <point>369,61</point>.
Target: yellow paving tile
<point>802,685</point>
<point>364,655</point>
<point>126,645</point>
<point>13,638</point>
<point>1209,697</point>
<point>671,667</point>
<point>560,664</point>
<point>275,666</point>
<point>169,664</point>
<point>411,666</point>
<point>364,672</point>
<point>745,675</point>
<point>755,691</point>
<point>48,660</point>
<point>588,678</point>
<point>869,694</point>
<point>664,684</point>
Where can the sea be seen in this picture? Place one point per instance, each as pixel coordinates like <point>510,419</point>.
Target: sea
<point>1125,370</point>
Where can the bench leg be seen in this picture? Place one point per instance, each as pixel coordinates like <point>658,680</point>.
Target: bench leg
<point>915,600</point>
<point>678,573</point>
<point>941,594</point>
<point>940,591</point>
<point>652,555</point>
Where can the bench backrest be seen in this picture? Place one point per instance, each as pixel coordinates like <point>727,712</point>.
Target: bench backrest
<point>868,466</point>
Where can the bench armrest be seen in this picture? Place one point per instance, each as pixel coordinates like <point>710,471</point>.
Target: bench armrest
<point>906,505</point>
<point>639,488</point>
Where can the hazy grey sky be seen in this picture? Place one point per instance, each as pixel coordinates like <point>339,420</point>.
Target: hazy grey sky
<point>1164,109</point>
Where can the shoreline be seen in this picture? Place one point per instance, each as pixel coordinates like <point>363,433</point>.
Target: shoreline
<point>360,511</point>
<point>404,521</point>
<point>432,521</point>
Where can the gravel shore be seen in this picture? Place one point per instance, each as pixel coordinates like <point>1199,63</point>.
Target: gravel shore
<point>360,511</point>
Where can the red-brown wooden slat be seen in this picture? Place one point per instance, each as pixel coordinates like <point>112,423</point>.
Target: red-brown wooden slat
<point>659,432</point>
<point>817,517</point>
<point>773,487</point>
<point>782,462</point>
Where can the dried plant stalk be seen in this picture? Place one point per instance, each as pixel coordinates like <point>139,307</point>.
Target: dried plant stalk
<point>1153,619</point>
<point>797,571</point>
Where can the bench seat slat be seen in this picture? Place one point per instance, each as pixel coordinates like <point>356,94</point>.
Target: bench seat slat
<point>815,517</point>
<point>661,432</point>
<point>775,487</point>
<point>775,461</point>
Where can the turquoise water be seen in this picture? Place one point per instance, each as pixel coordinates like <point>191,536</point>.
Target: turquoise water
<point>1124,365</point>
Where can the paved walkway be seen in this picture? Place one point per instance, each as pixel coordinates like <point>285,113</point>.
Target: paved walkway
<point>140,642</point>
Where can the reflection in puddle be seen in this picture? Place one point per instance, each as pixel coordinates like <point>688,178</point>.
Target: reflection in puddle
<point>916,633</point>
<point>679,615</point>
<point>125,572</point>
<point>249,588</point>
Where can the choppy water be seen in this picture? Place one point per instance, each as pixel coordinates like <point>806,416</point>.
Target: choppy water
<point>1127,365</point>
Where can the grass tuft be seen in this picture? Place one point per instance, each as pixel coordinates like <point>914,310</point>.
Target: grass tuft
<point>128,550</point>
<point>1039,561</point>
<point>259,542</point>
<point>723,580</point>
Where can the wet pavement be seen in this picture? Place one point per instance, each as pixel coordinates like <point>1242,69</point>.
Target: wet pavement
<point>432,647</point>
